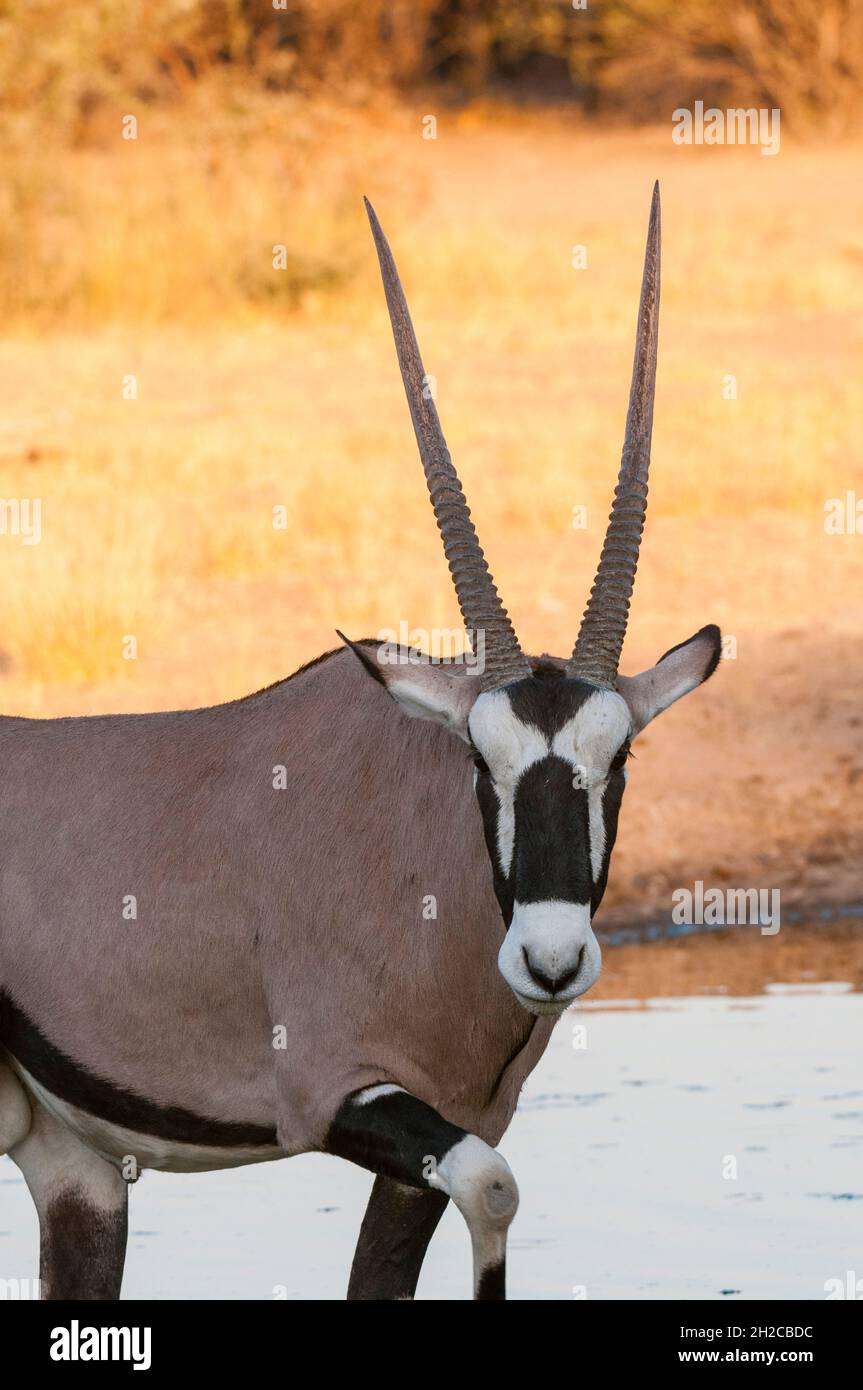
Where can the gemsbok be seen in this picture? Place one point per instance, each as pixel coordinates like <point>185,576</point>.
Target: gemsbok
<point>279,991</point>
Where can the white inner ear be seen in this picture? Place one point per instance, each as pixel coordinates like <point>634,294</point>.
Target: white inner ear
<point>422,702</point>
<point>651,692</point>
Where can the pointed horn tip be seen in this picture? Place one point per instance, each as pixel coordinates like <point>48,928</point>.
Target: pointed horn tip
<point>654,226</point>
<point>382,246</point>
<point>377,230</point>
<point>655,208</point>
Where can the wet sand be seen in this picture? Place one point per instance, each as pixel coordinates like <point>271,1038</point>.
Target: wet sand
<point>731,960</point>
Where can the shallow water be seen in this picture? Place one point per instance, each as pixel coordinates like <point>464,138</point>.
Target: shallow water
<point>619,1147</point>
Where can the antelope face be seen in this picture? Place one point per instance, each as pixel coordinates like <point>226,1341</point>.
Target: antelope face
<point>550,755</point>
<point>549,739</point>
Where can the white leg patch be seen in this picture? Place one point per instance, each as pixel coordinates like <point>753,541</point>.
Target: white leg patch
<point>375,1092</point>
<point>483,1188</point>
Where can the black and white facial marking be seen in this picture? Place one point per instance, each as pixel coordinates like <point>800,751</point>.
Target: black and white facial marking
<point>550,754</point>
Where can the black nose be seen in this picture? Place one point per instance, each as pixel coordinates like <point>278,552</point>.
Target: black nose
<point>551,983</point>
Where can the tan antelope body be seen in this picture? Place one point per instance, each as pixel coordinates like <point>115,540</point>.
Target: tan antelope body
<point>216,946</point>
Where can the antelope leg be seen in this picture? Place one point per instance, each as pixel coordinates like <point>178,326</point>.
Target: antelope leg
<point>396,1136</point>
<point>397,1227</point>
<point>81,1202</point>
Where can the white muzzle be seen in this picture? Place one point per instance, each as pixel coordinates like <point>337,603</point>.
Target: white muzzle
<point>550,955</point>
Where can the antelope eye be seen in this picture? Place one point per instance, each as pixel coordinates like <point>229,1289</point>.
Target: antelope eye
<point>618,762</point>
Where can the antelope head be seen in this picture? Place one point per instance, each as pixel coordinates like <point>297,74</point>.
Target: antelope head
<point>549,738</point>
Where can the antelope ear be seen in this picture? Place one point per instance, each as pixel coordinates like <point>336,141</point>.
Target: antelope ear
<point>425,689</point>
<point>676,673</point>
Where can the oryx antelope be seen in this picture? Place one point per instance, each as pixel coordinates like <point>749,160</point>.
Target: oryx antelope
<point>279,991</point>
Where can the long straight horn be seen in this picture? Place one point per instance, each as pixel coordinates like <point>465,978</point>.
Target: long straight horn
<point>597,649</point>
<point>481,608</point>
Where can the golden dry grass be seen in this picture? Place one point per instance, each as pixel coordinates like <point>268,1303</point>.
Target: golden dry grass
<point>157,512</point>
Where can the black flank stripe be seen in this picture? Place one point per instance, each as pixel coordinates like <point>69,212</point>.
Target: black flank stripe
<point>64,1078</point>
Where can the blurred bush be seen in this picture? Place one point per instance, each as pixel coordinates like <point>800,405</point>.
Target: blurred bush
<point>248,113</point>
<point>639,57</point>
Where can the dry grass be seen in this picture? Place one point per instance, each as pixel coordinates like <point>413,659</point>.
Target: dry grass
<point>157,513</point>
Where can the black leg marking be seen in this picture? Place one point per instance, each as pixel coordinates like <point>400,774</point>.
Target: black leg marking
<point>397,1227</point>
<point>491,1284</point>
<point>395,1135</point>
<point>402,1139</point>
<point>83,1248</point>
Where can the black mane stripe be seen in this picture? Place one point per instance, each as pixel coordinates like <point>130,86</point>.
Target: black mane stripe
<point>77,1086</point>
